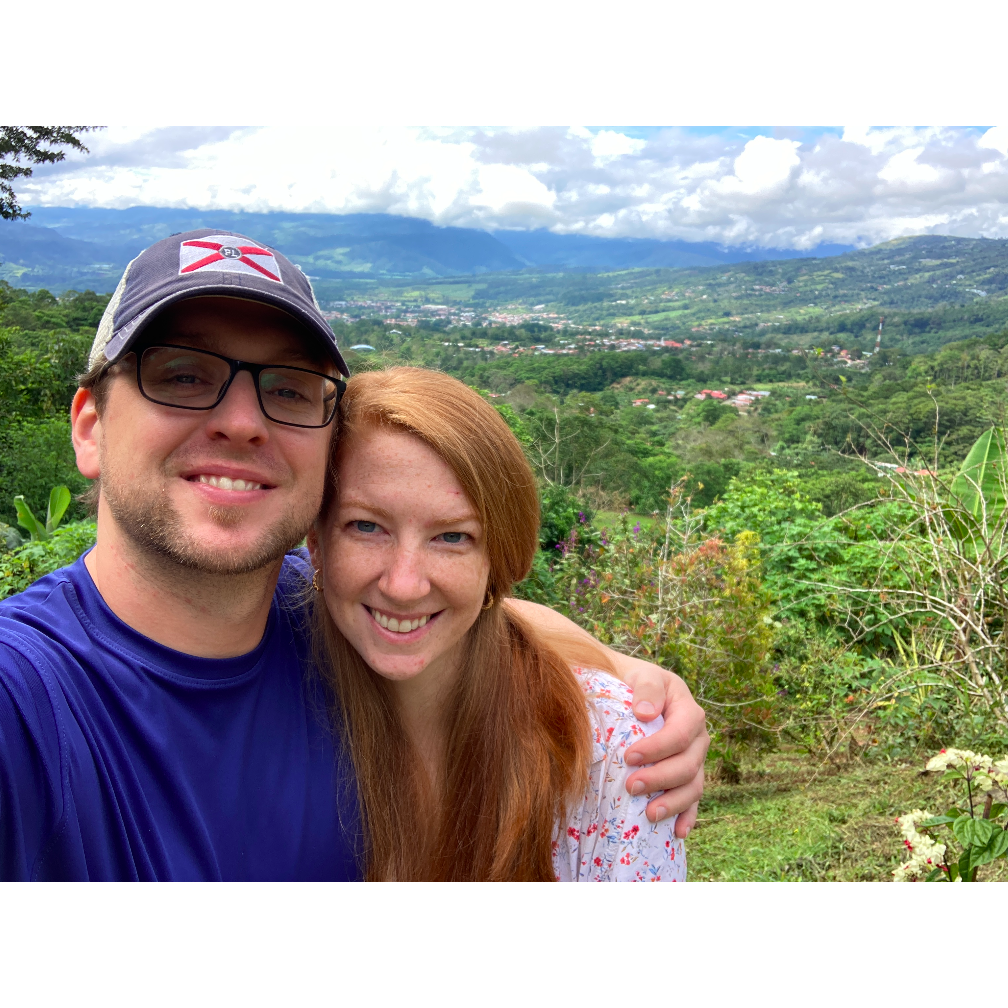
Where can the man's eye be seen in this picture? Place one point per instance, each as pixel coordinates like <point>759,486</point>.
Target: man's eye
<point>454,538</point>
<point>365,526</point>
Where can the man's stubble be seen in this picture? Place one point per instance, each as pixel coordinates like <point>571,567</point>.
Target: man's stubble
<point>154,525</point>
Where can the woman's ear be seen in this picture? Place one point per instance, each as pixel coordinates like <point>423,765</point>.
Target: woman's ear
<point>314,547</point>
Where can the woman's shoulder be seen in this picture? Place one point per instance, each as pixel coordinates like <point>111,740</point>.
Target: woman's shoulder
<point>610,704</point>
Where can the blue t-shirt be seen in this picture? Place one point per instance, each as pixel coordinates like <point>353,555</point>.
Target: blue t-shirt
<point>124,759</point>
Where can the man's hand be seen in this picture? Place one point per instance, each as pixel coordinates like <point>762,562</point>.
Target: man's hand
<point>677,750</point>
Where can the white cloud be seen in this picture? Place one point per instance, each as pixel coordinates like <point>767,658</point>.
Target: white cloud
<point>765,164</point>
<point>905,169</point>
<point>996,137</point>
<point>856,185</point>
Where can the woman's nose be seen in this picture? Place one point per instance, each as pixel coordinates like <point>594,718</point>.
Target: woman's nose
<point>405,577</point>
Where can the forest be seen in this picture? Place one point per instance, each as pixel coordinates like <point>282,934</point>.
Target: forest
<point>808,538</point>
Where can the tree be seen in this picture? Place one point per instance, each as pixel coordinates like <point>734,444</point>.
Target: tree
<point>24,146</point>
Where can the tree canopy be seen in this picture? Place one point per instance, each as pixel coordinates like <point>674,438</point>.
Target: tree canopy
<point>21,147</point>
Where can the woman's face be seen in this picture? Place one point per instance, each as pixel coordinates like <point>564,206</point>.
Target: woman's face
<point>403,548</point>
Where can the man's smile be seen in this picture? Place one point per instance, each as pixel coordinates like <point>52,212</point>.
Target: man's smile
<point>226,483</point>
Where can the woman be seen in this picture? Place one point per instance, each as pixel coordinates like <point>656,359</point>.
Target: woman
<point>462,723</point>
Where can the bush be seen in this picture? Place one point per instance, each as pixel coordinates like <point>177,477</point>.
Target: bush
<point>559,512</point>
<point>689,602</point>
<point>36,455</point>
<point>539,586</point>
<point>27,563</point>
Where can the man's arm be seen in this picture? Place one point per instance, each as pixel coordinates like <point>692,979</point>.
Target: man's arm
<point>677,751</point>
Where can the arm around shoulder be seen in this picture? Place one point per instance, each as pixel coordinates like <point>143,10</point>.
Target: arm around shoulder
<point>609,838</point>
<point>676,752</point>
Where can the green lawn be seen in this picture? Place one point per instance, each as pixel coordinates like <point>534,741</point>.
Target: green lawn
<point>791,819</point>
<point>611,519</point>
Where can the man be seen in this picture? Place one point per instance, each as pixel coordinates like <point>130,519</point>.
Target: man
<point>158,715</point>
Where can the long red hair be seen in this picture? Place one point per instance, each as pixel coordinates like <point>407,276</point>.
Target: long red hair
<point>516,729</point>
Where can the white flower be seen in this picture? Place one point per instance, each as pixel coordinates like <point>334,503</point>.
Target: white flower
<point>969,761</point>
<point>908,822</point>
<point>925,854</point>
<point>945,759</point>
<point>982,783</point>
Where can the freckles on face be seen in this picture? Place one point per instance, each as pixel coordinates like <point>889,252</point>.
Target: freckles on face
<point>405,562</point>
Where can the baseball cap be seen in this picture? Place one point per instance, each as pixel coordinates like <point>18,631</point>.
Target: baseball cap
<point>204,263</point>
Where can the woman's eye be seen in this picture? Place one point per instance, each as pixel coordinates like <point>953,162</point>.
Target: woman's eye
<point>365,526</point>
<point>454,538</point>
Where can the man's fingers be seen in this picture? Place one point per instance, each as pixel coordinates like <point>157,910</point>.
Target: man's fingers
<point>674,772</point>
<point>686,821</point>
<point>649,692</point>
<point>685,769</point>
<point>684,725</point>
<point>681,801</point>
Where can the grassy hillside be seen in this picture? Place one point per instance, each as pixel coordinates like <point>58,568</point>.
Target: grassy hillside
<point>932,290</point>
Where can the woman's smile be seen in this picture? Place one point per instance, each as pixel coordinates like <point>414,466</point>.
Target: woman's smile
<point>402,627</point>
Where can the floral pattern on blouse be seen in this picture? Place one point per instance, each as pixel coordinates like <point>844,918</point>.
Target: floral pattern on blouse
<point>607,836</point>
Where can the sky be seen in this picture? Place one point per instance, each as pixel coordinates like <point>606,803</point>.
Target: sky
<point>766,187</point>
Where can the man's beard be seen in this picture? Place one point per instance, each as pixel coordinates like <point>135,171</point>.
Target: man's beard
<point>154,524</point>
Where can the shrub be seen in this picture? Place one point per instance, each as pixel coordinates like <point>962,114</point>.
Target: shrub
<point>27,563</point>
<point>36,455</point>
<point>690,602</point>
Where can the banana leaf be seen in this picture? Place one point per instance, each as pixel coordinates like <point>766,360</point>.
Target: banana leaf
<point>981,478</point>
<point>979,487</point>
<point>27,519</point>
<point>59,501</point>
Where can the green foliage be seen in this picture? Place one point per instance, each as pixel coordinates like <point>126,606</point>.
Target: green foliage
<point>790,529</point>
<point>59,501</point>
<point>539,586</point>
<point>979,486</point>
<point>25,564</point>
<point>35,455</point>
<point>691,603</point>
<point>24,146</point>
<point>559,512</point>
<point>42,351</point>
<point>518,427</point>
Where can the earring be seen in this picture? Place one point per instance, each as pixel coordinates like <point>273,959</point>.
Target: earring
<point>315,583</point>
<point>490,600</point>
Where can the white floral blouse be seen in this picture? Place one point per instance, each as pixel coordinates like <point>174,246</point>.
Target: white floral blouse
<point>607,836</point>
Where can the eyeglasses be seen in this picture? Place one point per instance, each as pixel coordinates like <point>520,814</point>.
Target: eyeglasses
<point>185,378</point>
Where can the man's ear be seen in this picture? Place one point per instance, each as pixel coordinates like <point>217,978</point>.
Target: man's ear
<point>86,430</point>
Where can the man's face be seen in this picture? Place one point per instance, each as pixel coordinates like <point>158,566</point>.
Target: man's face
<point>225,490</point>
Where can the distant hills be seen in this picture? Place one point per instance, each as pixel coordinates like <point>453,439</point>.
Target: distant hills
<point>84,247</point>
<point>932,289</point>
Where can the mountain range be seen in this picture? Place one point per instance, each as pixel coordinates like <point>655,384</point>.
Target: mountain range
<point>87,248</point>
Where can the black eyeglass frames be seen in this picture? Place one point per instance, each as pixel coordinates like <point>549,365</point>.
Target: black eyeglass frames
<point>185,378</point>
